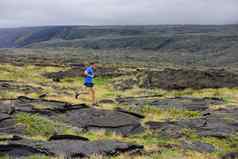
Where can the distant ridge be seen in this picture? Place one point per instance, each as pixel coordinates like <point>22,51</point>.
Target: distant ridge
<point>188,38</point>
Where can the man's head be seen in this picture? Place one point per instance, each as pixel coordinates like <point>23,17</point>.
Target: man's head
<point>93,64</point>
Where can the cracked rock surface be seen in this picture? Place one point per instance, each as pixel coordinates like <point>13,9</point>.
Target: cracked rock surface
<point>66,147</point>
<point>81,116</point>
<point>219,124</point>
<point>187,103</point>
<point>94,119</point>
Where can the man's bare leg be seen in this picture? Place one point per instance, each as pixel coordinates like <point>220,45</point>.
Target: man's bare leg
<point>92,90</point>
<point>83,90</point>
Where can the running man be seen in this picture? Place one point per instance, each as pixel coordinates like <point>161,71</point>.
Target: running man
<point>88,81</point>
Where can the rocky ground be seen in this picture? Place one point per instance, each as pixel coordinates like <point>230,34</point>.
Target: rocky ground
<point>142,114</point>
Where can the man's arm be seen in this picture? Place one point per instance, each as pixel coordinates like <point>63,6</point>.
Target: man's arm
<point>87,74</point>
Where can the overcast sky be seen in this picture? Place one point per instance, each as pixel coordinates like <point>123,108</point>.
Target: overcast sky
<point>15,13</point>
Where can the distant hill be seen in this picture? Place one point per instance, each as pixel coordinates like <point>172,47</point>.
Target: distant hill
<point>186,38</point>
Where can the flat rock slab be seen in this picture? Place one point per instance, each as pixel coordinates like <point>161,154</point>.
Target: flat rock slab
<point>198,146</point>
<point>231,113</point>
<point>67,137</point>
<point>4,116</point>
<point>107,101</point>
<point>187,78</point>
<point>8,124</point>
<point>18,150</point>
<point>95,119</point>
<point>217,124</point>
<point>41,106</point>
<point>85,149</point>
<point>19,87</point>
<point>68,148</point>
<point>188,103</point>
<point>81,116</point>
<point>6,137</point>
<point>169,129</point>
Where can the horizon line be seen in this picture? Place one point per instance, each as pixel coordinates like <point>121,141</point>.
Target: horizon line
<point>122,25</point>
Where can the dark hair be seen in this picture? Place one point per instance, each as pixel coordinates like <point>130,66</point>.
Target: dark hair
<point>92,63</point>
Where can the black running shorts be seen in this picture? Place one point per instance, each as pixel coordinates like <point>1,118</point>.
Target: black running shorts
<point>90,85</point>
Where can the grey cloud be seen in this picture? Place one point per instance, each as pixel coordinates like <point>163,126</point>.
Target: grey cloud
<point>112,12</point>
